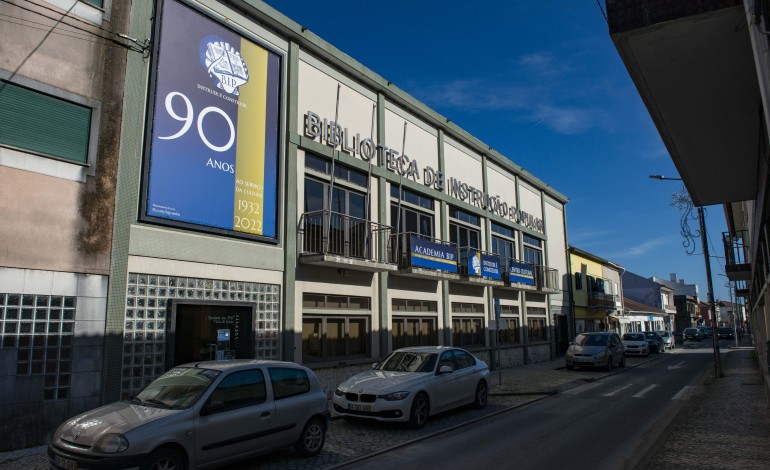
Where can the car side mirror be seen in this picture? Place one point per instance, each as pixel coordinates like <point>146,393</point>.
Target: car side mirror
<point>445,370</point>
<point>213,407</point>
<point>374,365</point>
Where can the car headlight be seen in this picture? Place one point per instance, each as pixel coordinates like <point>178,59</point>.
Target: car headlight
<point>395,396</point>
<point>339,392</point>
<point>111,444</point>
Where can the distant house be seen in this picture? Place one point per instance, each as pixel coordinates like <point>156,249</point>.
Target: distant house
<point>651,293</point>
<point>596,291</point>
<point>640,317</point>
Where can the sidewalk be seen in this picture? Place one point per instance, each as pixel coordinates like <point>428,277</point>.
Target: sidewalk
<point>726,426</point>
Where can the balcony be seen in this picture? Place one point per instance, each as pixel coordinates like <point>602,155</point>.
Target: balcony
<point>693,65</point>
<point>599,299</point>
<point>424,257</point>
<point>737,265</point>
<point>546,280</point>
<point>480,267</point>
<point>332,239</point>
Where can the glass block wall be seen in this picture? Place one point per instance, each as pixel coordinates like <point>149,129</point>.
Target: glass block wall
<point>144,333</point>
<point>41,327</point>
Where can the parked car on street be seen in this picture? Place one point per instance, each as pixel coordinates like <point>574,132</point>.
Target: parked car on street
<point>412,384</point>
<point>655,341</point>
<point>678,337</point>
<point>725,332</point>
<point>603,349</point>
<point>703,330</point>
<point>636,344</point>
<point>669,342</point>
<point>709,331</point>
<point>692,334</point>
<point>201,414</point>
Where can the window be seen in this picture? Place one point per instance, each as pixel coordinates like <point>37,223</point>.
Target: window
<point>334,337</point>
<point>348,302</point>
<point>467,332</point>
<point>240,389</point>
<point>288,382</point>
<point>409,219</point>
<point>536,329</point>
<point>344,231</point>
<point>503,245</point>
<point>41,328</point>
<point>532,250</point>
<point>404,305</point>
<point>464,359</point>
<point>466,307</point>
<point>44,124</point>
<point>509,331</point>
<point>578,281</point>
<point>463,235</point>
<point>414,331</point>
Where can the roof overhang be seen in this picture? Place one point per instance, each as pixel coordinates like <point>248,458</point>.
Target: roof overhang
<point>697,78</point>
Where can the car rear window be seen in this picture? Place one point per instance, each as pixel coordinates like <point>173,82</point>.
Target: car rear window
<point>288,382</point>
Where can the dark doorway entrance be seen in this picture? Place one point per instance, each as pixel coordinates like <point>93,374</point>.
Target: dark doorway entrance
<point>207,331</point>
<point>562,334</point>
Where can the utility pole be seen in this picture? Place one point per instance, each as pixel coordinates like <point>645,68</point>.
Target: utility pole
<point>714,332</point>
<point>704,243</point>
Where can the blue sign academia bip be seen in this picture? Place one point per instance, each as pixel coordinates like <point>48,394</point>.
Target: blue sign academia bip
<point>432,255</point>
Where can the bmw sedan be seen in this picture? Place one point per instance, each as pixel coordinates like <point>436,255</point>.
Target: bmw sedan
<point>603,349</point>
<point>412,384</point>
<point>200,415</point>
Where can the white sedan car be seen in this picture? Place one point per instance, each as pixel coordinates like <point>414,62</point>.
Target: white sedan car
<point>412,384</point>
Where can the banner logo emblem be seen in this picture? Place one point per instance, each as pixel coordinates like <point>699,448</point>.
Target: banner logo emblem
<point>226,64</point>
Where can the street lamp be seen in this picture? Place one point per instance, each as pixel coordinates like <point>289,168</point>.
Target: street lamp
<point>704,242</point>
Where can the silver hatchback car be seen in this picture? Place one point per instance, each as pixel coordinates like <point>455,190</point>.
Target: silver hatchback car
<point>599,349</point>
<point>200,415</point>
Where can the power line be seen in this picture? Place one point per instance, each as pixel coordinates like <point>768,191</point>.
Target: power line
<point>602,10</point>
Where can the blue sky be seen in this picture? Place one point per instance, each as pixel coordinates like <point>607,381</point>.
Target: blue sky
<point>542,83</point>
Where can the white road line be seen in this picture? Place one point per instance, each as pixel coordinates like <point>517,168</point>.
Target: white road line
<point>612,394</point>
<point>685,393</point>
<point>677,366</point>
<point>582,388</point>
<point>644,392</point>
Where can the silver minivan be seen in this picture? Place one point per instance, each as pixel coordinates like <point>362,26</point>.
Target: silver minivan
<point>200,415</point>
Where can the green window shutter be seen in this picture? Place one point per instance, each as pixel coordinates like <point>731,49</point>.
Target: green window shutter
<point>40,123</point>
<point>96,3</point>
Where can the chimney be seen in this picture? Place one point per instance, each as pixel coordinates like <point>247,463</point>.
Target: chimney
<point>681,281</point>
<point>673,277</point>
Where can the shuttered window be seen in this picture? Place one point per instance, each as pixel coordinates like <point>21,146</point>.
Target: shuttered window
<point>43,124</point>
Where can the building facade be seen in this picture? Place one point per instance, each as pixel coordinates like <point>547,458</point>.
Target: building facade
<point>272,198</point>
<point>654,294</point>
<point>639,317</point>
<point>715,125</point>
<point>596,292</point>
<point>62,70</point>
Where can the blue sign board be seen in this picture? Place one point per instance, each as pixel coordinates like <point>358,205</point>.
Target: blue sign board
<point>521,273</point>
<point>432,255</point>
<point>484,265</point>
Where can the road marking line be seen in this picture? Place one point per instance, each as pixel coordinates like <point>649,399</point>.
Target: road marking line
<point>676,366</point>
<point>685,393</point>
<point>582,388</point>
<point>644,392</point>
<point>612,394</point>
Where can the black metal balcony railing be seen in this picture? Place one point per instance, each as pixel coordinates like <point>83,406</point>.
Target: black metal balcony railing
<point>333,233</point>
<point>736,248</point>
<point>412,250</point>
<point>600,298</point>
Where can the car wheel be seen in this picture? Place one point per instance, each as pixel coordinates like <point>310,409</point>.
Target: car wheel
<point>480,399</point>
<point>418,416</point>
<point>164,459</point>
<point>608,367</point>
<point>312,439</point>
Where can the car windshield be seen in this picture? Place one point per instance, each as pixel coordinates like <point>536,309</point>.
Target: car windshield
<point>651,335</point>
<point>633,337</point>
<point>409,361</point>
<point>591,340</point>
<point>664,334</point>
<point>177,389</point>
<point>691,331</point>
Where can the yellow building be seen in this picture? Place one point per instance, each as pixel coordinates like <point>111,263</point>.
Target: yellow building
<point>597,289</point>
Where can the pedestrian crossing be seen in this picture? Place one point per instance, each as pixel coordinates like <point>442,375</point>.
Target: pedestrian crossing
<point>633,390</point>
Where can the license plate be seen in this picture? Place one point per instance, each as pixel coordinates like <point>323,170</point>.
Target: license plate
<point>65,463</point>
<point>357,407</point>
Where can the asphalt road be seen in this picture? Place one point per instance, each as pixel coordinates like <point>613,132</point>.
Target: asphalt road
<point>608,424</point>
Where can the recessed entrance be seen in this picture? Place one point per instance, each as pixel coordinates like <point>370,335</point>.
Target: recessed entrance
<point>204,331</point>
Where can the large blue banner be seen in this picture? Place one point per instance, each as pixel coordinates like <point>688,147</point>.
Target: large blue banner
<point>521,273</point>
<point>432,255</point>
<point>214,153</point>
<point>484,265</point>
